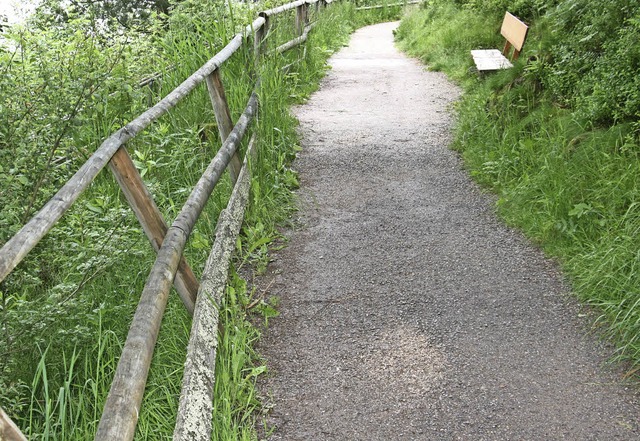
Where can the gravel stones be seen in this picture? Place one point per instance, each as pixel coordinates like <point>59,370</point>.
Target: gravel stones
<point>408,311</point>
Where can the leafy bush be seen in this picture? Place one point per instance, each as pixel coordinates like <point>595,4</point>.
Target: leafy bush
<point>61,91</point>
<point>592,60</point>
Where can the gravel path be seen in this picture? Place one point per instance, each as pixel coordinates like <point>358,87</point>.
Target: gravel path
<point>408,312</point>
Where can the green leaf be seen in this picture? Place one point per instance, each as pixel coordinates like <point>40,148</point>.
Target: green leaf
<point>258,243</point>
<point>580,210</point>
<point>93,208</point>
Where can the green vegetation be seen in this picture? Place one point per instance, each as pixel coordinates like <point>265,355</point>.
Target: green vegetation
<point>68,79</point>
<point>557,137</point>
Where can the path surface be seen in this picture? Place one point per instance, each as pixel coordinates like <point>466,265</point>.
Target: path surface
<point>408,311</point>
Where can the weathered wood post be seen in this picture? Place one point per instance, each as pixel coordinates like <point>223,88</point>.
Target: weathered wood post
<point>193,422</point>
<point>151,220</point>
<point>259,40</point>
<point>223,117</point>
<point>8,430</point>
<point>301,18</point>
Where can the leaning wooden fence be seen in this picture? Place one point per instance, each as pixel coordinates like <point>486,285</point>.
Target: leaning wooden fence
<point>121,410</point>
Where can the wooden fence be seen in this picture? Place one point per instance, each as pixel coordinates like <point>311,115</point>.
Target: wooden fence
<point>121,410</point>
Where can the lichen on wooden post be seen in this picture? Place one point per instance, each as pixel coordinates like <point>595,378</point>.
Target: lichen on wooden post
<point>196,400</point>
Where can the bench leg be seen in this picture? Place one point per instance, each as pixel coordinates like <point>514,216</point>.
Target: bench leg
<point>507,47</point>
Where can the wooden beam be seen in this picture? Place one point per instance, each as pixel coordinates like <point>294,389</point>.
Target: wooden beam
<point>196,399</point>
<point>255,26</point>
<point>296,41</point>
<point>121,410</point>
<point>223,117</point>
<point>516,55</point>
<point>366,8</point>
<point>8,429</point>
<point>259,41</point>
<point>506,48</point>
<point>281,9</point>
<point>301,18</point>
<point>151,219</point>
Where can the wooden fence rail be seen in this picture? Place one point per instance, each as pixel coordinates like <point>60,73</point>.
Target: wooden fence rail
<point>122,407</point>
<point>8,430</point>
<point>296,41</point>
<point>389,5</point>
<point>196,399</point>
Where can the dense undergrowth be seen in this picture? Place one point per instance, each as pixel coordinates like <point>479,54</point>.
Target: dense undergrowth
<point>556,137</point>
<point>67,81</point>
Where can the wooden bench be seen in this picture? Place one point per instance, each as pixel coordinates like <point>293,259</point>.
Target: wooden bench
<point>515,33</point>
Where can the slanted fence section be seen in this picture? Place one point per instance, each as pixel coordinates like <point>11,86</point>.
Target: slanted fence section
<point>200,297</point>
<point>120,414</point>
<point>8,430</point>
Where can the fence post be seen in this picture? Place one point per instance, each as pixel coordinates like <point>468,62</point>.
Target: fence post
<point>151,220</point>
<point>301,18</point>
<point>259,40</point>
<point>223,117</point>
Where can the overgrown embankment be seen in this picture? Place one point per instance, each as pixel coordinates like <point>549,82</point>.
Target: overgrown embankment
<point>557,137</point>
<point>69,79</point>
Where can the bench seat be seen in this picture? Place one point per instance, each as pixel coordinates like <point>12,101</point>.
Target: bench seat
<point>490,59</point>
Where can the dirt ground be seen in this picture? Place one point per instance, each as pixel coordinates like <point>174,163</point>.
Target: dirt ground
<point>408,311</point>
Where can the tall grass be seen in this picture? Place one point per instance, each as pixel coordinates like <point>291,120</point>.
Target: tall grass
<point>571,186</point>
<point>70,408</point>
